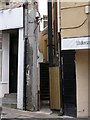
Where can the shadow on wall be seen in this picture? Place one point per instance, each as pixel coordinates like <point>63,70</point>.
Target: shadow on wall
<point>0,112</point>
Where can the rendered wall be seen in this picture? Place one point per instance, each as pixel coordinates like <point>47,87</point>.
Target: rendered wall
<point>83,82</point>
<point>43,46</point>
<point>31,53</point>
<point>74,20</point>
<point>3,89</point>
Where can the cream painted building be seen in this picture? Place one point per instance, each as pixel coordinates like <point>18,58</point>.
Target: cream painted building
<point>75,32</point>
<point>75,46</point>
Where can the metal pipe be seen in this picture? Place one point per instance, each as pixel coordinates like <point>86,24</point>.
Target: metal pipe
<point>50,46</point>
<point>55,28</point>
<point>59,15</point>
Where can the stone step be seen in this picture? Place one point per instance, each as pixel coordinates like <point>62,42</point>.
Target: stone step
<point>11,95</point>
<point>10,100</point>
<point>10,105</point>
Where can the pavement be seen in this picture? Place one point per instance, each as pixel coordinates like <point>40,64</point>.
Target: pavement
<point>16,114</point>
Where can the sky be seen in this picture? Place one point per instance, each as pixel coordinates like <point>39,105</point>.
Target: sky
<point>42,10</point>
<point>43,7</point>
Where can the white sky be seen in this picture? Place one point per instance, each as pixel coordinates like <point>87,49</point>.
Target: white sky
<point>43,7</point>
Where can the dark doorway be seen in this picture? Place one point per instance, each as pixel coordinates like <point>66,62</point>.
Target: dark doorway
<point>69,83</point>
<point>13,63</point>
<point>44,85</point>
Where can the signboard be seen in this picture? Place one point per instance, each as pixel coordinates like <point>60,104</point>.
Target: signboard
<point>11,18</point>
<point>76,43</point>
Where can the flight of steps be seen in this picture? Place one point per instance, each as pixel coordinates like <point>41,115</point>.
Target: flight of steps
<point>10,100</point>
<point>44,82</point>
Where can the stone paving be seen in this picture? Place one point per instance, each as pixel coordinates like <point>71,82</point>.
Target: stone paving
<point>15,114</point>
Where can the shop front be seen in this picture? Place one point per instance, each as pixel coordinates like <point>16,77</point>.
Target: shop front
<point>81,46</point>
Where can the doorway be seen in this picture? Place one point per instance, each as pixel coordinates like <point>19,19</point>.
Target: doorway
<point>13,61</point>
<point>44,86</point>
<point>69,83</point>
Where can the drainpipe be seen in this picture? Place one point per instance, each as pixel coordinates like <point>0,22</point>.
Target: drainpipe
<point>55,28</point>
<point>50,46</point>
<point>59,38</point>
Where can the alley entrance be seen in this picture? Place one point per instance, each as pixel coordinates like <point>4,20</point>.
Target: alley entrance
<point>13,61</point>
<point>44,85</point>
<point>69,83</point>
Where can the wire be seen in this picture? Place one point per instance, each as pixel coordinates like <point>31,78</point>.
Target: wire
<point>74,27</point>
<point>63,8</point>
<point>36,27</point>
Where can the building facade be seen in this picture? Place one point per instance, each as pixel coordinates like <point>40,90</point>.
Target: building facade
<point>18,52</point>
<point>76,31</point>
<point>74,56</point>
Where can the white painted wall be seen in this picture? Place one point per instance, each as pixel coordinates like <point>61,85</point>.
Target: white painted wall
<point>20,70</point>
<point>11,18</point>
<point>76,43</point>
<point>3,89</point>
<point>5,58</point>
<point>4,84</point>
<point>82,82</point>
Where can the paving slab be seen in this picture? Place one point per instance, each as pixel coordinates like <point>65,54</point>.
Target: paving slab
<point>15,114</point>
